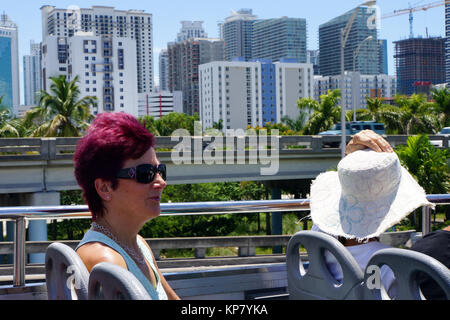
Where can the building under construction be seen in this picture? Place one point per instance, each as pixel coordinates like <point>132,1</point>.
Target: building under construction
<point>420,63</point>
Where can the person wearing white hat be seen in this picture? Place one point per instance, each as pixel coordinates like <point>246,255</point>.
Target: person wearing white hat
<point>369,193</point>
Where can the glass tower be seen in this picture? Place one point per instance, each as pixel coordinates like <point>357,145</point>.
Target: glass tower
<point>9,64</point>
<point>277,39</point>
<point>6,89</point>
<point>237,34</point>
<point>367,61</point>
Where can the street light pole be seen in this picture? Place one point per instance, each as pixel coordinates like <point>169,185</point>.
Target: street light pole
<point>344,36</point>
<point>355,54</point>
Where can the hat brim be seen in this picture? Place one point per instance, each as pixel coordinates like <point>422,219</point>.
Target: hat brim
<point>338,216</point>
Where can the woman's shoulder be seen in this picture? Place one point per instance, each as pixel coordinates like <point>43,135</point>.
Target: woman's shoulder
<point>93,253</point>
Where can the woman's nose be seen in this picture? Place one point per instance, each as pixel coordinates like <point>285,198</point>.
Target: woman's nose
<point>159,182</point>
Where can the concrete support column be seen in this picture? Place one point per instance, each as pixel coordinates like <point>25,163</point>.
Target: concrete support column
<point>277,219</point>
<point>37,229</point>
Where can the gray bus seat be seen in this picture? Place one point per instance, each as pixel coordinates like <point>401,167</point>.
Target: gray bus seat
<point>318,282</point>
<point>108,281</point>
<point>406,265</point>
<point>66,275</point>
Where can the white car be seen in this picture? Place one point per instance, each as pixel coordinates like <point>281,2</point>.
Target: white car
<point>444,132</point>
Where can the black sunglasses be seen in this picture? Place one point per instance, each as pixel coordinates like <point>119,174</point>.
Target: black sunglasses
<point>143,173</point>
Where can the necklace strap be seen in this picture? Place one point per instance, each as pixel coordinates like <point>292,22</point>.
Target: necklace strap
<point>133,254</point>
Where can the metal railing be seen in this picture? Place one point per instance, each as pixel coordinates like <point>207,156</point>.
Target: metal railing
<point>63,148</point>
<point>20,214</point>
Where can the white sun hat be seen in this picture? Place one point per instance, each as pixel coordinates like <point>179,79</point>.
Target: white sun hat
<point>369,193</point>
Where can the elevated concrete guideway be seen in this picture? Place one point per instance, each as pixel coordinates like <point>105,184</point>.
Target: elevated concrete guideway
<point>32,165</point>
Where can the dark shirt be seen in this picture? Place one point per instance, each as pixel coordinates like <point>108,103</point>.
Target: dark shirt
<point>437,245</point>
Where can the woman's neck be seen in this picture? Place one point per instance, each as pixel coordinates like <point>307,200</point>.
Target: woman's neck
<point>124,232</point>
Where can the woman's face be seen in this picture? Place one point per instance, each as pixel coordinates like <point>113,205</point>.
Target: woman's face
<point>137,198</point>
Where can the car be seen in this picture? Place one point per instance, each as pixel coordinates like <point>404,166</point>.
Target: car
<point>352,128</point>
<point>445,132</point>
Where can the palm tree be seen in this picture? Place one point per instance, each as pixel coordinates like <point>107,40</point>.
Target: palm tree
<point>7,129</point>
<point>61,113</point>
<point>8,124</point>
<point>324,114</point>
<point>297,124</point>
<point>416,115</point>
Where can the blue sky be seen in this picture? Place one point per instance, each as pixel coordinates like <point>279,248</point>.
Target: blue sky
<point>168,14</point>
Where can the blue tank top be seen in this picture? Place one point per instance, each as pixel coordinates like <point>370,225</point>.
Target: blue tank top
<point>156,294</point>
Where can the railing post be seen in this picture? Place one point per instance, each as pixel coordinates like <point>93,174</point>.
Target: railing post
<point>19,253</point>
<point>426,214</point>
<point>200,253</point>
<point>316,143</point>
<point>277,218</point>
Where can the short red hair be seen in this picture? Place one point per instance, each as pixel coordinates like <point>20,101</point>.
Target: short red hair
<point>112,139</point>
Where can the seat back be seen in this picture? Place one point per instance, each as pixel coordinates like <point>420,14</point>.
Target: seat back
<point>406,266</point>
<point>66,275</point>
<point>317,282</point>
<point>108,281</point>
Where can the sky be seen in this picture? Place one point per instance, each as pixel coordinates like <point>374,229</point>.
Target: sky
<point>168,14</point>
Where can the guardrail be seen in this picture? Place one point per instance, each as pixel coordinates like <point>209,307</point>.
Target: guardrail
<point>63,148</point>
<point>21,214</point>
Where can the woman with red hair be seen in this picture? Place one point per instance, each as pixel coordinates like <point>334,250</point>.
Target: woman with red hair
<point>122,180</point>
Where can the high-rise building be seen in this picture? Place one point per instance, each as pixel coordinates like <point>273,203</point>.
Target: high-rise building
<point>184,61</point>
<point>357,88</point>
<point>32,74</point>
<point>191,29</point>
<point>279,38</point>
<point>367,60</point>
<point>252,93</point>
<point>383,56</point>
<point>447,41</point>
<point>420,63</point>
<point>237,33</point>
<point>159,104</point>
<point>163,70</point>
<point>9,64</point>
<point>313,56</point>
<point>110,50</point>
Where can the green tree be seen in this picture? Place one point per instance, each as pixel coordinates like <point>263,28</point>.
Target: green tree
<point>218,125</point>
<point>167,124</point>
<point>324,113</point>
<point>442,100</point>
<point>411,115</point>
<point>61,113</point>
<point>427,164</point>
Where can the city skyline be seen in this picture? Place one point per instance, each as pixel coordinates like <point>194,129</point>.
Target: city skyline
<point>167,18</point>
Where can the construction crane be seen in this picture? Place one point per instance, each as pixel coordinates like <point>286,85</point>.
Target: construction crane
<point>410,10</point>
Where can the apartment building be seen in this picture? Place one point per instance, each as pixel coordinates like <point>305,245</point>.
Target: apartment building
<point>159,104</point>
<point>184,61</point>
<point>32,74</point>
<point>110,50</point>
<point>357,88</point>
<point>252,93</point>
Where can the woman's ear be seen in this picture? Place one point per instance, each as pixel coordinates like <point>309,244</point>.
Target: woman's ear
<point>104,189</point>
